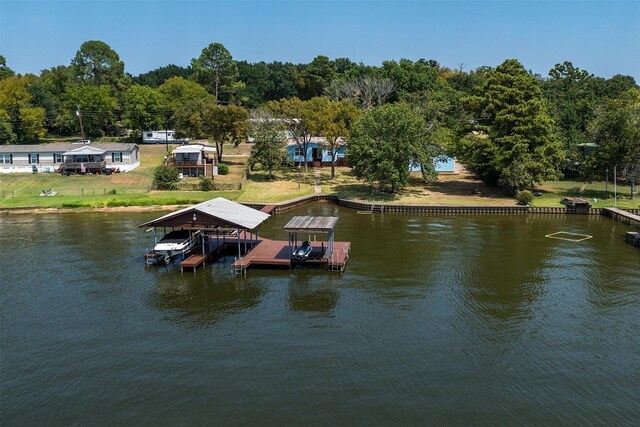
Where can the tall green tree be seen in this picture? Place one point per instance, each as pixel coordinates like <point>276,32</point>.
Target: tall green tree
<point>97,107</point>
<point>572,96</point>
<point>224,124</point>
<point>157,77</point>
<point>144,109</point>
<point>519,148</point>
<point>314,77</point>
<point>616,129</point>
<point>189,120</point>
<point>411,77</point>
<point>23,121</point>
<point>178,90</point>
<point>265,82</point>
<point>269,141</point>
<point>7,136</point>
<point>294,113</point>
<point>216,70</point>
<point>96,63</point>
<point>384,142</point>
<point>5,71</point>
<point>332,120</point>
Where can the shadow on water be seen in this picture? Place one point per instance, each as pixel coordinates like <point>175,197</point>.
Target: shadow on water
<point>205,298</point>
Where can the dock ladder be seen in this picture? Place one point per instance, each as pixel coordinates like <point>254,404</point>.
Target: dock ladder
<point>238,266</point>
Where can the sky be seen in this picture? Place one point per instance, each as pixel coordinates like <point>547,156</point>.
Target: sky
<point>602,37</point>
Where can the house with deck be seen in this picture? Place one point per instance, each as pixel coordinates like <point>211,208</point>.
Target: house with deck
<point>194,160</point>
<point>78,158</point>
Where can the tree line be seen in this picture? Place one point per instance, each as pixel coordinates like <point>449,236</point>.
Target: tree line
<point>508,125</point>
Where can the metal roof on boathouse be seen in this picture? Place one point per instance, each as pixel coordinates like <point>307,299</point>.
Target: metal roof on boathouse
<point>218,212</point>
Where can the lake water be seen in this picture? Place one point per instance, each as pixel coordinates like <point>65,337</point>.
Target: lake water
<point>437,320</point>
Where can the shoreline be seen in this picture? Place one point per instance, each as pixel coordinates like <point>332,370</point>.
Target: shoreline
<point>113,209</point>
<point>351,204</point>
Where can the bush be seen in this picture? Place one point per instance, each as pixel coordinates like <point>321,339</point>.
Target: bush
<point>206,183</point>
<point>524,197</point>
<point>165,177</point>
<point>223,169</point>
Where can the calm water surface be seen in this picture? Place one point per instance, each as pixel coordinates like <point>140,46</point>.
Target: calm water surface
<point>437,320</point>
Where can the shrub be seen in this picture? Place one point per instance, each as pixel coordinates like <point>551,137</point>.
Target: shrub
<point>524,197</point>
<point>223,169</point>
<point>165,177</point>
<point>206,183</point>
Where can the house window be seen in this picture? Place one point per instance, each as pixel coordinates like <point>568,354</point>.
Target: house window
<point>6,159</point>
<point>329,153</point>
<point>34,158</point>
<point>298,151</point>
<point>116,157</point>
<point>57,158</point>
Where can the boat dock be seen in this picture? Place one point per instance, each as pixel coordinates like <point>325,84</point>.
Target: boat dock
<point>621,215</point>
<point>278,253</point>
<point>223,225</point>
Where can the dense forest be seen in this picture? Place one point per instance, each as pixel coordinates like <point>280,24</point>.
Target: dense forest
<point>508,125</point>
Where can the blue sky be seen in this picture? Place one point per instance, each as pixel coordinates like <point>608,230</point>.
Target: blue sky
<point>601,37</point>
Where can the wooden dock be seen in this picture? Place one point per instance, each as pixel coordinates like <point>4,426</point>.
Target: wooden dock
<point>268,209</point>
<point>212,248</point>
<point>621,215</point>
<point>276,253</point>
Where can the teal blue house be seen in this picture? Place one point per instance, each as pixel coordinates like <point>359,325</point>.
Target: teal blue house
<point>318,152</point>
<point>443,164</point>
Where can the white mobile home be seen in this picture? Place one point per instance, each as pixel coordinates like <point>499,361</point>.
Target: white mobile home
<point>162,137</point>
<point>68,157</point>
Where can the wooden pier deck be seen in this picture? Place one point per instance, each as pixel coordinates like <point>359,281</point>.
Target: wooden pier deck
<point>621,215</point>
<point>276,253</point>
<point>268,209</point>
<point>194,261</point>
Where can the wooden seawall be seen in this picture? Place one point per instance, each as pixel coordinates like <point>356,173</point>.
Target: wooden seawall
<point>440,209</point>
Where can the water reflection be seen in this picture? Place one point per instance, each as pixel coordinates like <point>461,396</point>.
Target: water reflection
<point>202,299</point>
<point>307,296</point>
<point>502,274</point>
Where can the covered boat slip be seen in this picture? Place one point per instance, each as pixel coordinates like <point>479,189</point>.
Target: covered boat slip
<point>274,252</point>
<point>219,221</point>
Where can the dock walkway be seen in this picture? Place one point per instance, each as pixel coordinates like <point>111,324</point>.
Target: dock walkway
<point>621,215</point>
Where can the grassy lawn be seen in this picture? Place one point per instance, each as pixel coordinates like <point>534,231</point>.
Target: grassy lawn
<point>133,188</point>
<point>260,188</point>
<point>458,189</point>
<point>554,191</point>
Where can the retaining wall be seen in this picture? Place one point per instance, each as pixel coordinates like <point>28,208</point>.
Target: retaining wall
<point>443,209</point>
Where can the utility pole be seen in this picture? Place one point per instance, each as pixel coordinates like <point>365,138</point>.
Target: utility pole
<point>80,118</point>
<point>166,135</point>
<point>615,189</point>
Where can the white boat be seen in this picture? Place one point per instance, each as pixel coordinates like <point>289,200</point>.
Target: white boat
<point>175,244</point>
